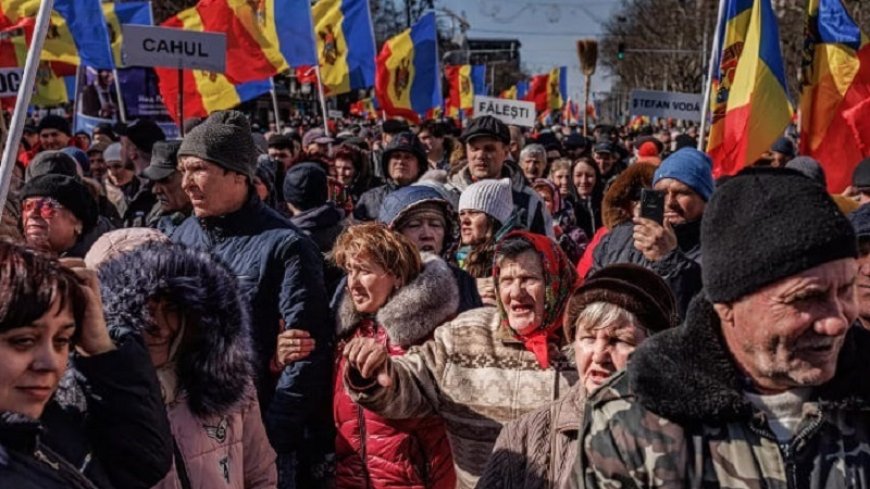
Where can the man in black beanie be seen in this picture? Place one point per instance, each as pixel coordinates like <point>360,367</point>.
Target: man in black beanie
<point>54,133</point>
<point>280,272</point>
<point>137,141</point>
<point>765,383</point>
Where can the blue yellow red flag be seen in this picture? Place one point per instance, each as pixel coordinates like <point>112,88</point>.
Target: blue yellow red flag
<point>345,45</point>
<point>835,91</point>
<point>464,82</point>
<point>204,92</point>
<point>557,87</point>
<point>408,79</point>
<point>118,14</point>
<point>750,107</point>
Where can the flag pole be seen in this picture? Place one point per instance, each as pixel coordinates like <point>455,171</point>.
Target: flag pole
<point>76,94</point>
<point>322,99</point>
<point>705,103</point>
<point>275,104</point>
<point>22,100</point>
<point>122,112</point>
<point>181,101</point>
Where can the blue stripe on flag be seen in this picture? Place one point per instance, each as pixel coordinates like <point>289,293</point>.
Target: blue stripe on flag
<point>357,28</point>
<point>87,24</point>
<point>295,32</point>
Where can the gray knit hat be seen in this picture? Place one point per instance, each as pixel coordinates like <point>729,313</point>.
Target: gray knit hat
<point>492,197</point>
<point>225,140</point>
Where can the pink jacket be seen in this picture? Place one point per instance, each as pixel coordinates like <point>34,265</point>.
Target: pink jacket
<point>229,451</point>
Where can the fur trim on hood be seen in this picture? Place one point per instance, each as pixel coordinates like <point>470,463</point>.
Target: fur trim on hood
<point>686,374</point>
<point>214,359</point>
<point>415,310</point>
<point>616,208</point>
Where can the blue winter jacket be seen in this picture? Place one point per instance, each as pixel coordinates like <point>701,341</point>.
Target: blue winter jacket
<point>280,273</point>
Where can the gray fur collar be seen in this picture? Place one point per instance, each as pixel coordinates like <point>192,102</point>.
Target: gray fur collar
<point>415,310</point>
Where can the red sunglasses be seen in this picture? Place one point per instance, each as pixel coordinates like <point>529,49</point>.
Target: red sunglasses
<point>46,206</point>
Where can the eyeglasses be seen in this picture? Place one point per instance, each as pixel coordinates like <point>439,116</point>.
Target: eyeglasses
<point>46,206</point>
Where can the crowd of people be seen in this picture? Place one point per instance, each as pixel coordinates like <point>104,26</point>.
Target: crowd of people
<point>388,305</point>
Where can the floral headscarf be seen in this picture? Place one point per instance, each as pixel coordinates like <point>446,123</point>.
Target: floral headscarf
<point>554,191</point>
<point>559,281</point>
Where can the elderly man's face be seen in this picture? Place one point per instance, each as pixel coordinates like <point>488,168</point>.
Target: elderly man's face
<point>486,157</point>
<point>532,166</point>
<point>682,204</point>
<point>789,333</point>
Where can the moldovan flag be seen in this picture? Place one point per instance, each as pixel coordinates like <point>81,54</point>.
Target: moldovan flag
<point>571,112</point>
<point>408,80</point>
<point>204,91</point>
<point>510,93</point>
<point>546,90</point>
<point>77,32</point>
<point>750,107</point>
<point>49,86</point>
<point>282,29</point>
<point>465,81</point>
<point>345,45</point>
<point>118,14</point>
<point>835,94</point>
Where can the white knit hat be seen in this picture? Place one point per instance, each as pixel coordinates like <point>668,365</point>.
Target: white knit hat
<point>112,153</point>
<point>492,197</point>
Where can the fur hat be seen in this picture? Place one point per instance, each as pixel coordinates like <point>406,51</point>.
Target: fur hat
<point>492,197</point>
<point>225,140</point>
<point>634,288</point>
<point>616,207</point>
<point>766,224</point>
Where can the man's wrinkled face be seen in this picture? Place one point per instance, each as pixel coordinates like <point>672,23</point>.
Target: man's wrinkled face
<point>788,334</point>
<point>862,283</point>
<point>170,194</point>
<point>207,185</point>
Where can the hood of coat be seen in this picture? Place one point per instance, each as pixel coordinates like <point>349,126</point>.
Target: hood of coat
<point>213,362</point>
<point>415,310</point>
<point>686,374</point>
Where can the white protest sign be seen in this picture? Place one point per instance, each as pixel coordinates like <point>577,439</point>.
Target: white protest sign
<point>166,47</point>
<point>334,114</point>
<point>685,106</point>
<point>10,80</point>
<point>516,112</point>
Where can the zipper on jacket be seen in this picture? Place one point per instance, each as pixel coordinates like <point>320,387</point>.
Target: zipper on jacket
<point>790,449</point>
<point>361,419</point>
<point>60,465</point>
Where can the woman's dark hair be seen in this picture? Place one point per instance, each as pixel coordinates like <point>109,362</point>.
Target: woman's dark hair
<point>357,158</point>
<point>479,262</point>
<point>587,211</point>
<point>29,284</point>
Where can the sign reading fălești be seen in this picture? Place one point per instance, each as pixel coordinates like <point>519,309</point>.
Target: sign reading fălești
<point>516,112</point>
<point>165,47</point>
<point>685,106</point>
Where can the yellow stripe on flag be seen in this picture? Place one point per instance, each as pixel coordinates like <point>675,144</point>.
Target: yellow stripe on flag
<point>331,46</point>
<point>216,91</point>
<point>401,64</point>
<point>466,88</point>
<point>115,38</point>
<point>255,22</point>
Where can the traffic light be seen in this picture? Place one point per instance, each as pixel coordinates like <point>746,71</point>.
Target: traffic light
<point>620,51</point>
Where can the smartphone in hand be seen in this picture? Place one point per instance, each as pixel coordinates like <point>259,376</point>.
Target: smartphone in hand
<point>652,205</point>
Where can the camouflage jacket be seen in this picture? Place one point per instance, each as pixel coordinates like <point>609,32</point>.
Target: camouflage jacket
<point>677,417</point>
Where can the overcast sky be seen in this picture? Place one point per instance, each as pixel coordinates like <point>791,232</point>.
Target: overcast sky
<point>547,29</point>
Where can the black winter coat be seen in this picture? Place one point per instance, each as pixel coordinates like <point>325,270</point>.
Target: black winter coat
<point>26,463</point>
<point>369,205</point>
<point>113,424</point>
<point>280,274</point>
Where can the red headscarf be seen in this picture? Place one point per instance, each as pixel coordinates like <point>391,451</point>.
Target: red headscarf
<point>559,282</point>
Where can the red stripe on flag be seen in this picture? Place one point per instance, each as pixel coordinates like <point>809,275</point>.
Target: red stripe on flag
<point>383,78</point>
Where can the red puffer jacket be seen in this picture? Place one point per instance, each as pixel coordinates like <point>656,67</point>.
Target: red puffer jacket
<point>374,452</point>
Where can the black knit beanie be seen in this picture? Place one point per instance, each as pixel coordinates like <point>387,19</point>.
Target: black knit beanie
<point>69,192</point>
<point>766,224</point>
<point>225,140</point>
<point>305,186</point>
<point>57,122</point>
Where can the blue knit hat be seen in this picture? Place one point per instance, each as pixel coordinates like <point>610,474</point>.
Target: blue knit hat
<point>691,167</point>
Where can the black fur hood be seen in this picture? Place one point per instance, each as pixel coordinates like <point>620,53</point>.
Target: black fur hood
<point>214,359</point>
<point>415,310</point>
<point>687,375</point>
